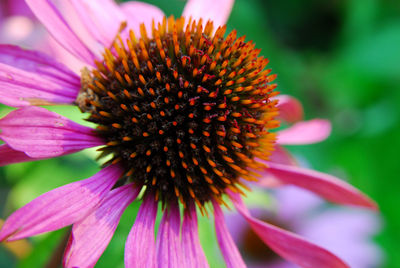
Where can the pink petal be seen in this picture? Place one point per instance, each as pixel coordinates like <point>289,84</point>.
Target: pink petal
<point>216,11</point>
<point>192,251</point>
<point>60,207</point>
<point>288,245</point>
<point>281,156</point>
<point>38,62</point>
<point>90,236</point>
<point>32,78</point>
<point>102,18</point>
<point>329,187</point>
<point>42,134</point>
<point>305,132</point>
<point>11,156</point>
<point>141,240</point>
<point>230,252</point>
<point>51,18</point>
<point>290,109</point>
<point>169,252</point>
<point>139,12</point>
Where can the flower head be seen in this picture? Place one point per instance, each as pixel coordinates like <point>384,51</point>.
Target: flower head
<point>183,112</point>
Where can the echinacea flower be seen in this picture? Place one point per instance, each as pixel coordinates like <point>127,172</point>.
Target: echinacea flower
<point>346,232</point>
<point>184,115</point>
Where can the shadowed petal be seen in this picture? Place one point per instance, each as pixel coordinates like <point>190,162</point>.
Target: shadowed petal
<point>60,207</point>
<point>102,18</point>
<point>90,236</point>
<point>287,244</point>
<point>305,132</point>
<point>51,18</point>
<point>290,109</point>
<point>169,252</point>
<point>32,78</point>
<point>10,156</point>
<point>217,11</point>
<point>141,240</point>
<point>327,186</point>
<point>192,251</point>
<point>138,12</point>
<point>229,251</point>
<point>43,134</point>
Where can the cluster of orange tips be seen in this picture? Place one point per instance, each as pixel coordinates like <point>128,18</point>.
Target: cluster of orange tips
<point>185,110</point>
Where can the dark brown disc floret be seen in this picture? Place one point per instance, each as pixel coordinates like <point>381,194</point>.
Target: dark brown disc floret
<point>186,112</point>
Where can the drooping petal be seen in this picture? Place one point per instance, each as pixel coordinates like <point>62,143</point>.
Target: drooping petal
<point>102,18</point>
<point>51,18</point>
<point>10,156</point>
<point>192,251</point>
<point>169,252</point>
<point>327,186</point>
<point>305,132</point>
<point>230,252</point>
<point>60,207</point>
<point>216,11</point>
<point>288,245</point>
<point>43,134</point>
<point>139,12</point>
<point>90,236</point>
<point>290,109</point>
<point>33,78</point>
<point>281,156</point>
<point>141,240</point>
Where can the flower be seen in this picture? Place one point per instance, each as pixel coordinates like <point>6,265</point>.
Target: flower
<point>344,231</point>
<point>184,115</point>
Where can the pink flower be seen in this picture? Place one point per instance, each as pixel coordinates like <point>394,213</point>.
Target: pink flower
<point>346,232</point>
<point>183,113</point>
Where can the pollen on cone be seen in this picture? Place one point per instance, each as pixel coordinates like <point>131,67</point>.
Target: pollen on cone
<point>182,111</point>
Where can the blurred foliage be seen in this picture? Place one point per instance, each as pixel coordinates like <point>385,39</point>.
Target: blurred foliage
<point>339,57</point>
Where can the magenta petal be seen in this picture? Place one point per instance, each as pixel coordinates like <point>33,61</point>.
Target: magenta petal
<point>141,240</point>
<point>60,207</point>
<point>281,156</point>
<point>10,156</point>
<point>139,12</point>
<point>230,252</point>
<point>290,109</point>
<point>51,18</point>
<point>192,251</point>
<point>39,63</point>
<point>32,78</point>
<point>43,134</point>
<point>305,132</point>
<point>216,11</point>
<point>102,18</point>
<point>169,252</point>
<point>327,186</point>
<point>90,236</point>
<point>288,245</point>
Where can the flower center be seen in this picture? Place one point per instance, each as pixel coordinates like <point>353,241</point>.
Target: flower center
<point>184,112</point>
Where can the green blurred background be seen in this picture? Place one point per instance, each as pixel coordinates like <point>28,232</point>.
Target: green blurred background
<point>341,58</point>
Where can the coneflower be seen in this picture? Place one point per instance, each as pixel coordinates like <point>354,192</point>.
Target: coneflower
<point>183,111</point>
